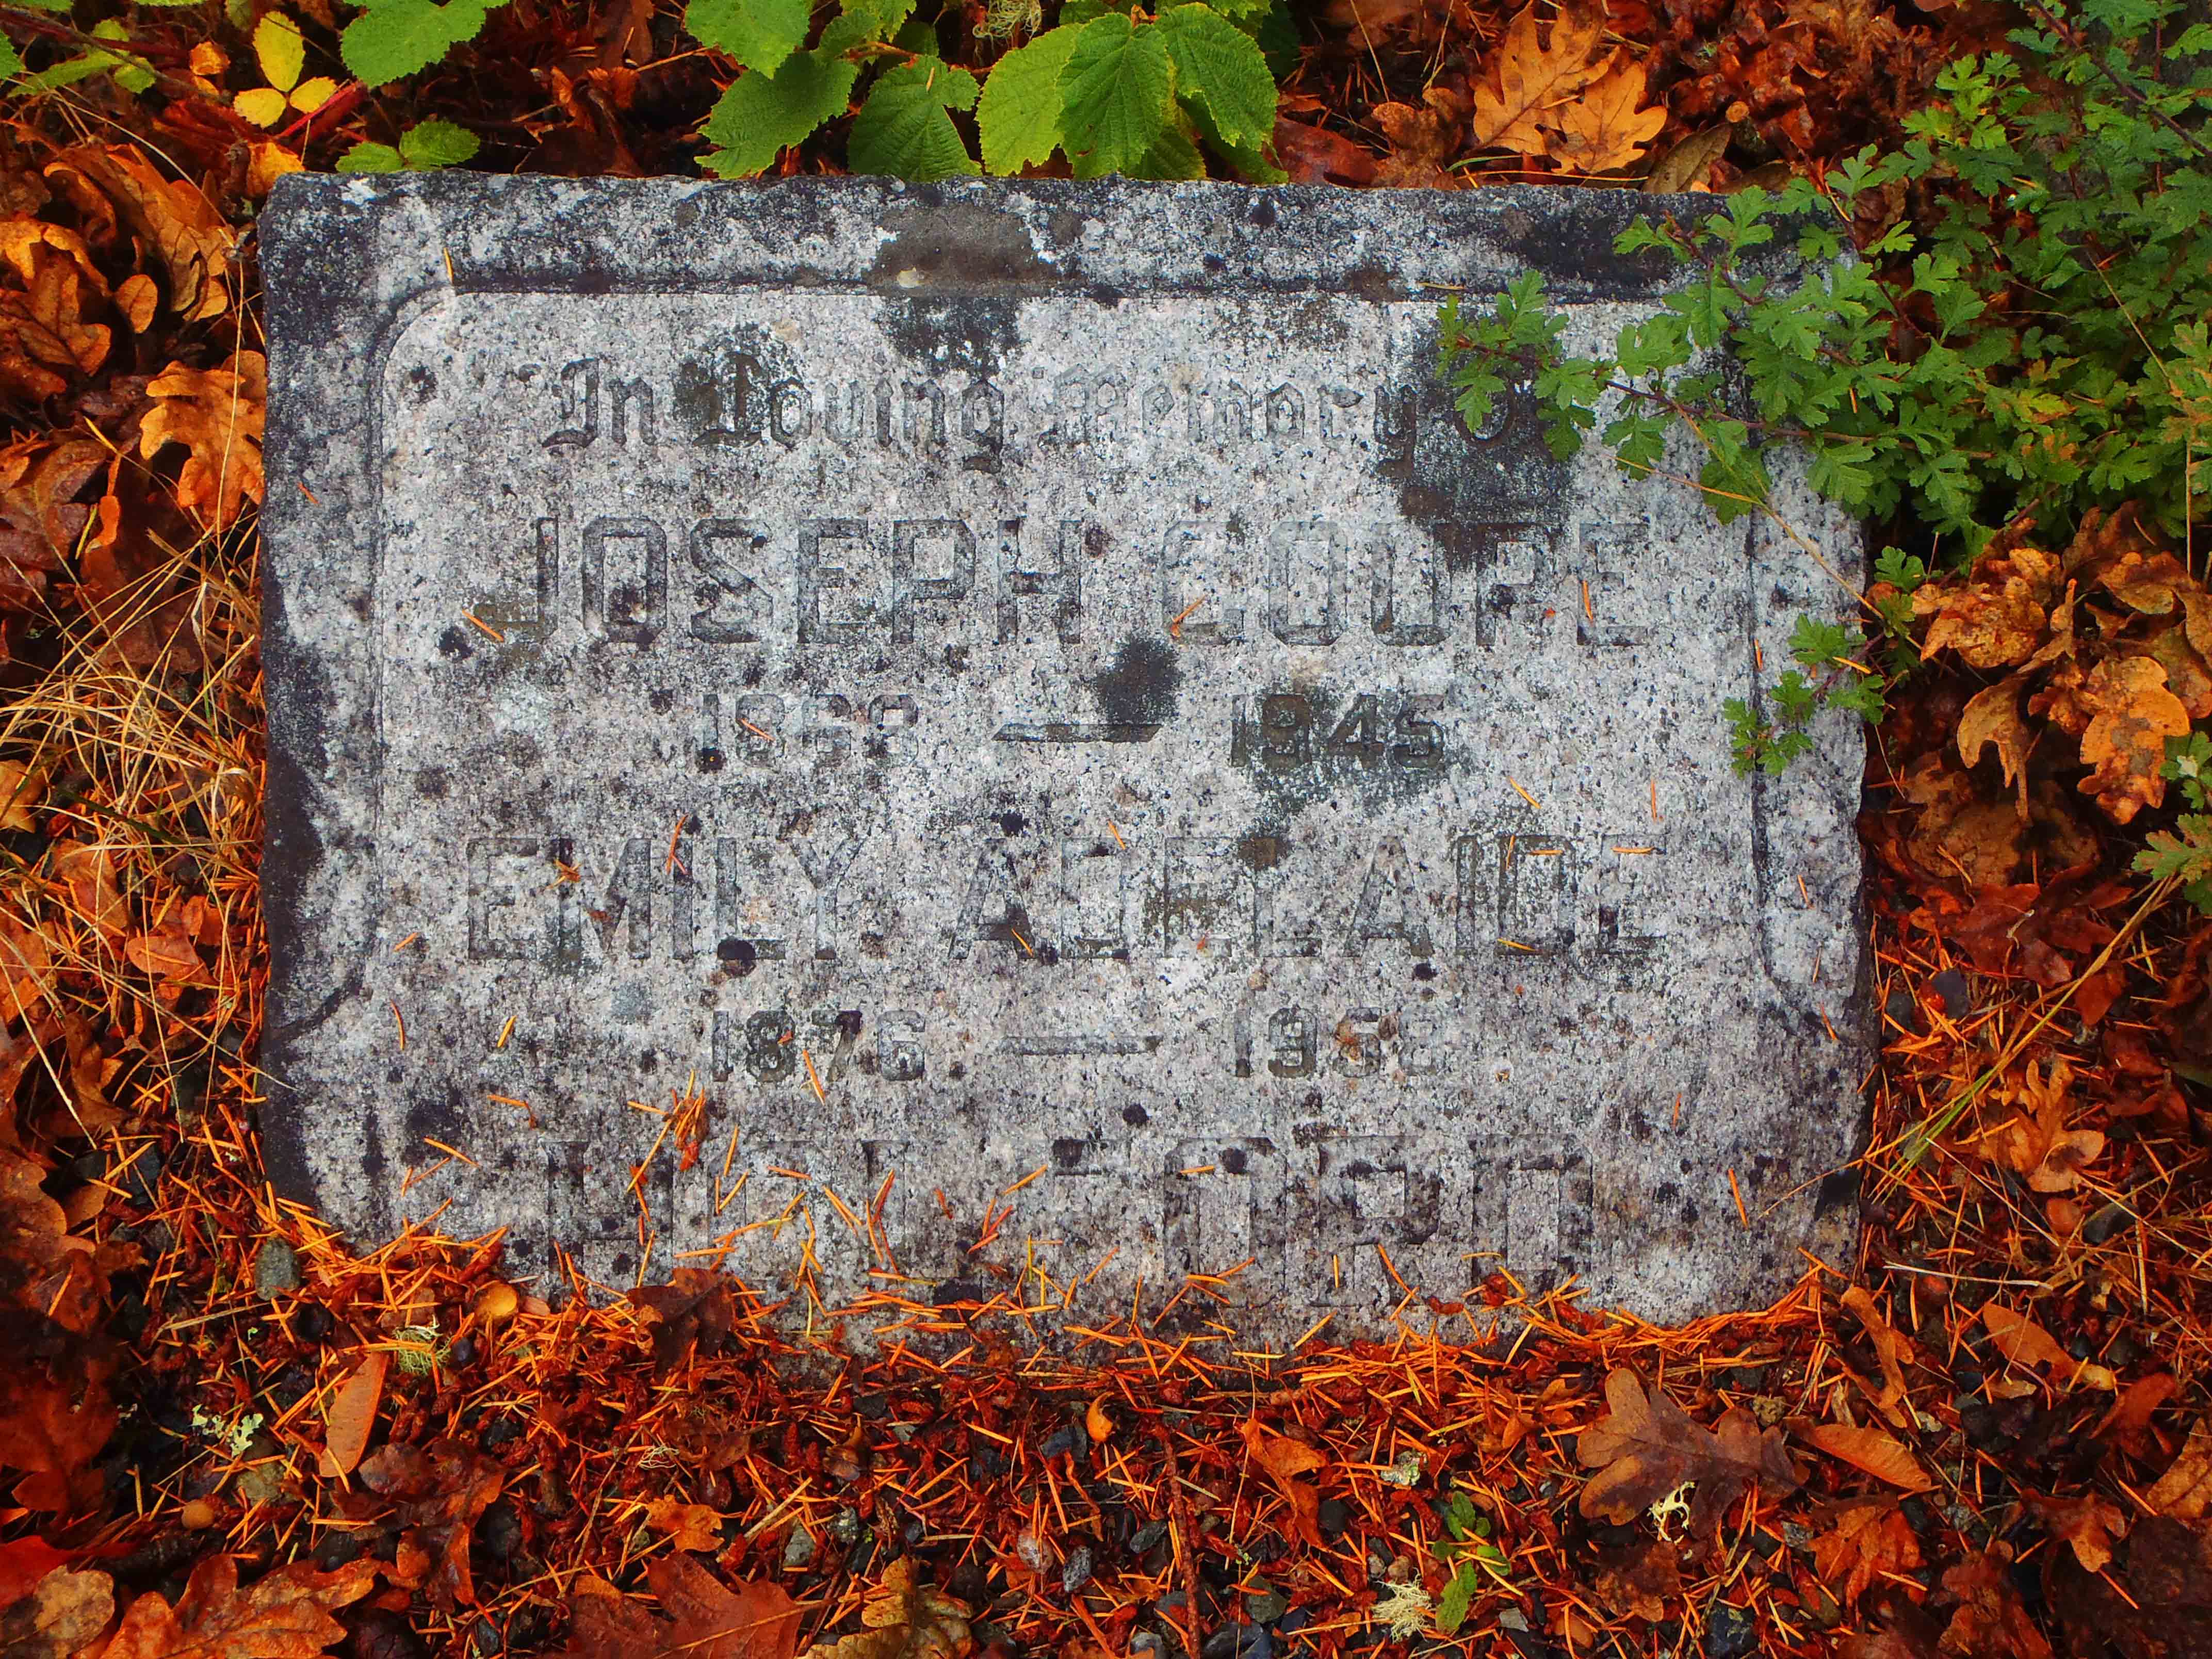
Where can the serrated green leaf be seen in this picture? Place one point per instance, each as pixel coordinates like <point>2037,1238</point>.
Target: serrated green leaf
<point>1221,70</point>
<point>1173,156</point>
<point>438,144</point>
<point>759,34</point>
<point>903,130</point>
<point>366,157</point>
<point>1019,113</point>
<point>1115,91</point>
<point>863,22</point>
<point>63,5</point>
<point>759,116</point>
<point>70,70</point>
<point>394,39</point>
<point>11,61</point>
<point>1452,1605</point>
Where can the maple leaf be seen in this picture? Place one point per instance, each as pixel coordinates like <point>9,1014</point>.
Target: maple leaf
<point>1282,1460</point>
<point>1868,1540</point>
<point>905,1620</point>
<point>1529,77</point>
<point>218,415</point>
<point>1645,1446</point>
<point>1605,130</point>
<point>283,1615</point>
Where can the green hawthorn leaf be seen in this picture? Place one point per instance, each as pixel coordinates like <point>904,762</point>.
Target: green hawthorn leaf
<point>903,128</point>
<point>366,157</point>
<point>759,34</point>
<point>1220,69</point>
<point>1019,114</point>
<point>759,116</point>
<point>394,39</point>
<point>11,61</point>
<point>1116,88</point>
<point>438,144</point>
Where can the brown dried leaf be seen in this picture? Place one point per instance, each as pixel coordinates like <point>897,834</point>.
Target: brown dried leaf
<point>1424,139</point>
<point>1528,77</point>
<point>688,1526</point>
<point>284,1614</point>
<point>2088,1523</point>
<point>2034,1139</point>
<point>1891,1349</point>
<point>2185,1491</point>
<point>1997,617</point>
<point>352,1415</point>
<point>1282,1460</point>
<point>2024,1342</point>
<point>905,1620</point>
<point>1992,1622</point>
<point>1606,130</point>
<point>438,1491</point>
<point>694,1306</point>
<point>1315,155</point>
<point>1869,1539</point>
<point>1992,716</point>
<point>1636,1577</point>
<point>2127,1424</point>
<point>60,1617</point>
<point>176,220</point>
<point>2132,715</point>
<point>1871,1451</point>
<point>1644,1447</point>
<point>710,1621</point>
<point>217,414</point>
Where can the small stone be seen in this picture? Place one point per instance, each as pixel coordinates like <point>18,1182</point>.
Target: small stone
<point>311,1323</point>
<point>1060,1440</point>
<point>1266,1608</point>
<point>261,1483</point>
<point>1294,1621</point>
<point>141,1176</point>
<point>845,1525</point>
<point>799,1550</point>
<point>1334,1517</point>
<point>501,1530</point>
<point>1077,1573</point>
<point>275,1269</point>
<point>1512,1619</point>
<point>2101,1227</point>
<point>1221,1643</point>
<point>1730,1632</point>
<point>1147,1536</point>
<point>1957,996</point>
<point>197,1515</point>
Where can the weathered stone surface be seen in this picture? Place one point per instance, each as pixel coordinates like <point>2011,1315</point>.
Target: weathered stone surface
<point>1025,684</point>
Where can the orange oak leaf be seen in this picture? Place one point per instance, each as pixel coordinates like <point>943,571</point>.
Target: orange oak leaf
<point>1992,716</point>
<point>2132,712</point>
<point>2185,1491</point>
<point>905,1620</point>
<point>1992,1622</point>
<point>283,1615</point>
<point>1998,618</point>
<point>688,1526</point>
<point>2088,1523</point>
<point>2024,1342</point>
<point>216,414</point>
<point>185,230</point>
<point>2033,1138</point>
<point>63,1614</point>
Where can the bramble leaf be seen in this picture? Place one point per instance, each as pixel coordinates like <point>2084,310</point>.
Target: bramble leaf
<point>1116,90</point>
<point>903,128</point>
<point>394,39</point>
<point>759,34</point>
<point>1220,69</point>
<point>760,116</point>
<point>1019,113</point>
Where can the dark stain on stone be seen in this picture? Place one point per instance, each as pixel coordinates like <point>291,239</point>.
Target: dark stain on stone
<point>1262,214</point>
<point>1012,823</point>
<point>441,1117</point>
<point>958,271</point>
<point>1260,852</point>
<point>662,702</point>
<point>1425,970</point>
<point>1234,1160</point>
<point>432,782</point>
<point>1135,1117</point>
<point>1139,685</point>
<point>453,645</point>
<point>737,956</point>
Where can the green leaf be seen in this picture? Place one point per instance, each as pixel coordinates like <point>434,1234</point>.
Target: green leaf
<point>1019,113</point>
<point>864,23</point>
<point>759,116</point>
<point>1175,156</point>
<point>759,34</point>
<point>1116,88</point>
<point>394,39</point>
<point>1452,1605</point>
<point>280,50</point>
<point>366,157</point>
<point>63,5</point>
<point>11,61</point>
<point>438,144</point>
<point>1220,69</point>
<point>903,129</point>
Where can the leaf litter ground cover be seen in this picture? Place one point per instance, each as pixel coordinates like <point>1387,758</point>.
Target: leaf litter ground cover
<point>223,1434</point>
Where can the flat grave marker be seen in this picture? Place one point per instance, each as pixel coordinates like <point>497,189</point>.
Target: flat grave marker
<point>1006,741</point>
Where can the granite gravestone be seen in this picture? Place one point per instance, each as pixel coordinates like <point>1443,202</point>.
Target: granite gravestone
<point>1004,740</point>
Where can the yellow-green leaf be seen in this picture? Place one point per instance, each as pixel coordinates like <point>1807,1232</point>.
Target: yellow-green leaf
<point>311,95</point>
<point>280,50</point>
<point>263,105</point>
